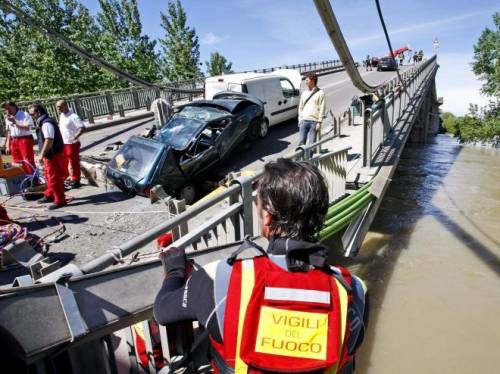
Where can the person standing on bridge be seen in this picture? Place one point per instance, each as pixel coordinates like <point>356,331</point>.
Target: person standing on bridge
<point>19,138</point>
<point>283,309</point>
<point>72,128</point>
<point>51,156</point>
<point>312,109</point>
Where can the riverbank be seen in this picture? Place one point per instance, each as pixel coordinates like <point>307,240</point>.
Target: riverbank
<point>432,264</point>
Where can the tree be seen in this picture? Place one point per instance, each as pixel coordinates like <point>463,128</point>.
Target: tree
<point>33,66</point>
<point>487,58</point>
<point>450,123</point>
<point>122,42</point>
<point>180,46</point>
<point>218,65</point>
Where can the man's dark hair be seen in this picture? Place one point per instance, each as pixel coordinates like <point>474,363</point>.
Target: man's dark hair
<point>37,107</point>
<point>312,76</point>
<point>7,103</point>
<point>296,195</point>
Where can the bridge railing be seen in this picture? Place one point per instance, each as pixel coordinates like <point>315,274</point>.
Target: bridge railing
<point>109,102</point>
<point>382,116</point>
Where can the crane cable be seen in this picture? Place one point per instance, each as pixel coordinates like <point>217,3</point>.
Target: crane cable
<point>61,40</point>
<point>381,17</point>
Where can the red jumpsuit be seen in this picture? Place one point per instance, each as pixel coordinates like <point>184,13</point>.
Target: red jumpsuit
<point>21,142</point>
<point>54,161</point>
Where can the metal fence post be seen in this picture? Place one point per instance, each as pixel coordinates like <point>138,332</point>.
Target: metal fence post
<point>109,102</point>
<point>78,107</point>
<point>121,110</point>
<point>367,138</point>
<point>135,98</point>
<point>90,116</point>
<point>247,200</point>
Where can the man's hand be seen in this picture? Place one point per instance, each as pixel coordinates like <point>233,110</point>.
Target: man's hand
<point>318,126</point>
<point>40,160</point>
<point>174,261</point>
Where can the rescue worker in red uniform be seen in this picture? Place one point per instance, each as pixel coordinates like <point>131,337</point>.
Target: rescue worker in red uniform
<point>72,128</point>
<point>19,138</point>
<point>51,157</point>
<point>285,310</point>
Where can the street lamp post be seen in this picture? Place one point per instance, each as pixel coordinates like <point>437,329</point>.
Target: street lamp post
<point>435,45</point>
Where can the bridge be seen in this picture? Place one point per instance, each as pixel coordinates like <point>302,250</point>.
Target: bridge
<point>90,306</point>
<point>88,315</point>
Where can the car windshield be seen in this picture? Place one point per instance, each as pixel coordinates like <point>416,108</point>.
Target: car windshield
<point>136,158</point>
<point>183,126</point>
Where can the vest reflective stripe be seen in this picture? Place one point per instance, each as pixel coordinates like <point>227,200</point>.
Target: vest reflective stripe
<point>295,294</point>
<point>247,283</point>
<point>343,320</point>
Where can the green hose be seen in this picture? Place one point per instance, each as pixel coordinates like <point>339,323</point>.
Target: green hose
<point>340,224</point>
<point>354,206</point>
<point>339,206</point>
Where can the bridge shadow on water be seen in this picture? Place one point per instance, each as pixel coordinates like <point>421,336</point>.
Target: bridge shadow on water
<point>420,174</point>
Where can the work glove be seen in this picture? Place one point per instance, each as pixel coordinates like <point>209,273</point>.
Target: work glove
<point>174,262</point>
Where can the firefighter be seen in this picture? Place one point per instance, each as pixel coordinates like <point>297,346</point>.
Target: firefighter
<point>19,138</point>
<point>71,127</point>
<point>51,156</point>
<point>284,310</point>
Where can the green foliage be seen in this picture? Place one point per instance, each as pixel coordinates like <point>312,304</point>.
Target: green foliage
<point>487,58</point>
<point>218,65</point>
<point>477,125</point>
<point>32,66</point>
<point>450,123</point>
<point>181,55</point>
<point>122,43</point>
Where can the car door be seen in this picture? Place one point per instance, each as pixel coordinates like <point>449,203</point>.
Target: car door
<point>232,133</point>
<point>198,157</point>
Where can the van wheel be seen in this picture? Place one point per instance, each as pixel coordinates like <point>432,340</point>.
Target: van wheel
<point>264,128</point>
<point>254,130</point>
<point>188,193</point>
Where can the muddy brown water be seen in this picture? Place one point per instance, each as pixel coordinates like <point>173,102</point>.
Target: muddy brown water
<point>432,263</point>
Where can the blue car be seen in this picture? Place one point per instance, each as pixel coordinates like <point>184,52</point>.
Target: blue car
<point>198,136</point>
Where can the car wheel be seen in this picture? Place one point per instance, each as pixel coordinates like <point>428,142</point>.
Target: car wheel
<point>188,193</point>
<point>253,130</point>
<point>264,128</point>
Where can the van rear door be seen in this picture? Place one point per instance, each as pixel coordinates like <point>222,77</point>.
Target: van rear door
<point>218,84</point>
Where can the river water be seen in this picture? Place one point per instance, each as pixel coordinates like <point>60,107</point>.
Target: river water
<point>432,264</point>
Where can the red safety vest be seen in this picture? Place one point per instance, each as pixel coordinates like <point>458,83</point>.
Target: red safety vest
<point>281,321</point>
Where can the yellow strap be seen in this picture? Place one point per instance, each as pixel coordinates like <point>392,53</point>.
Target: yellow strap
<point>247,283</point>
<point>343,320</point>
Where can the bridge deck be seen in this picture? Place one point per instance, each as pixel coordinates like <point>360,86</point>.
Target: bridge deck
<point>98,218</point>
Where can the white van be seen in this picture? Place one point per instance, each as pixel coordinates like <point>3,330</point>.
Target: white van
<point>279,90</point>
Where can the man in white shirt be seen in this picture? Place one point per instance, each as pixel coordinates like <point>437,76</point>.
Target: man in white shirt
<point>19,138</point>
<point>71,127</point>
<point>311,110</point>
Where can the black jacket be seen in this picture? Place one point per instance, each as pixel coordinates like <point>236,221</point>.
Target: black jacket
<point>179,300</point>
<point>58,145</point>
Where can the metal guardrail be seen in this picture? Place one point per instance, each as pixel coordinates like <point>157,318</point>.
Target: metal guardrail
<point>302,68</point>
<point>380,118</point>
<point>109,102</point>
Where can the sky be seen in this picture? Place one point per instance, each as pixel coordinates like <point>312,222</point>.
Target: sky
<point>262,33</point>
